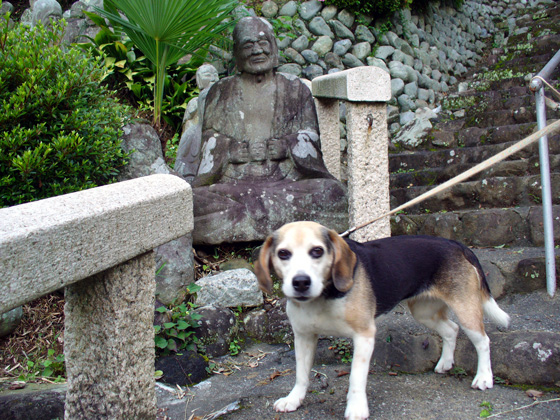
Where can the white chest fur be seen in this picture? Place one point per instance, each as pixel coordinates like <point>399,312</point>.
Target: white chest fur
<point>319,316</point>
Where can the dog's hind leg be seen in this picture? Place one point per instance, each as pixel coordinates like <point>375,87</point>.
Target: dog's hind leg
<point>483,379</point>
<point>305,346</point>
<point>433,314</point>
<point>470,315</point>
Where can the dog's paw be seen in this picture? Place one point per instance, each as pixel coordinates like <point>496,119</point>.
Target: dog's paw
<point>357,409</point>
<point>483,381</point>
<point>443,366</point>
<point>287,404</point>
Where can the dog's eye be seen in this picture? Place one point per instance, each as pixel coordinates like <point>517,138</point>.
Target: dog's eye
<point>317,252</point>
<point>284,254</point>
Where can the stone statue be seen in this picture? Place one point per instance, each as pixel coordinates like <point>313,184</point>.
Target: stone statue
<point>187,161</point>
<point>260,158</point>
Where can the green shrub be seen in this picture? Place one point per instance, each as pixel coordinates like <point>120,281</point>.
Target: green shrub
<point>59,129</point>
<point>132,75</point>
<point>376,8</point>
<point>384,8</point>
<point>178,332</point>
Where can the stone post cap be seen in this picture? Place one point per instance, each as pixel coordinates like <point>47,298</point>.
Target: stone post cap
<point>51,243</point>
<point>360,84</point>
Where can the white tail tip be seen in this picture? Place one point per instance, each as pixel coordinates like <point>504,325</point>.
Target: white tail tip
<point>495,313</point>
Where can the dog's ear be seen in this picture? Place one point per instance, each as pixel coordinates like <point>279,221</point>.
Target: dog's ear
<point>344,263</point>
<point>262,266</point>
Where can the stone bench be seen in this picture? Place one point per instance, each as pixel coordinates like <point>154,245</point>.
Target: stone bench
<point>98,244</point>
<point>366,91</point>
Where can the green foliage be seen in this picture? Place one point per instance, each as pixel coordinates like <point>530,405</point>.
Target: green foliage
<point>422,5</point>
<point>487,409</point>
<point>129,72</point>
<point>383,8</point>
<point>59,129</point>
<point>234,347</point>
<point>342,348</point>
<point>376,8</point>
<point>178,333</point>
<point>167,30</point>
<point>52,367</point>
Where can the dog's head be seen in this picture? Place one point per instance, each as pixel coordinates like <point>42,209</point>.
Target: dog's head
<point>307,257</point>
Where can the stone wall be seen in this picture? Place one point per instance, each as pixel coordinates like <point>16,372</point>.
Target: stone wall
<point>424,53</point>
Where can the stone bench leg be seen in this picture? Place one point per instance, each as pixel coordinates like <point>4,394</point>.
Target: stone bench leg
<point>109,343</point>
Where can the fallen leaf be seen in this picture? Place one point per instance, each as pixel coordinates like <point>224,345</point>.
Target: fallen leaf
<point>533,393</point>
<point>342,373</point>
<point>393,374</point>
<point>17,385</point>
<point>276,374</point>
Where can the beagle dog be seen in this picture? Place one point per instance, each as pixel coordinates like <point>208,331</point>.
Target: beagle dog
<point>338,287</point>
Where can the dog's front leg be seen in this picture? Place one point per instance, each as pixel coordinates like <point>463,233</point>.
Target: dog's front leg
<point>305,346</point>
<point>357,406</point>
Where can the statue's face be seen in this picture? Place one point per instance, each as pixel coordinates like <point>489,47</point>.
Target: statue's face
<point>206,75</point>
<point>254,51</point>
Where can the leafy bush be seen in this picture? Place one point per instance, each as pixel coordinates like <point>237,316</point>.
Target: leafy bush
<point>376,8</point>
<point>132,75</point>
<point>52,367</point>
<point>178,332</point>
<point>59,129</point>
<point>384,8</point>
<point>166,31</point>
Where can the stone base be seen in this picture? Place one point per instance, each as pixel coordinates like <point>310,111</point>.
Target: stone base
<point>247,212</point>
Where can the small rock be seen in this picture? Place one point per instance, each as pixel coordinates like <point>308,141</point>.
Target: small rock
<point>346,18</point>
<point>10,320</point>
<point>269,9</point>
<point>218,327</point>
<point>319,27</point>
<point>323,45</point>
<point>186,369</point>
<point>341,47</point>
<point>289,9</point>
<point>230,289</point>
<point>309,9</point>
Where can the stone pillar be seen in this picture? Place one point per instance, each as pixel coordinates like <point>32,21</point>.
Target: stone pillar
<point>109,343</point>
<point>368,169</point>
<point>328,114</point>
<point>366,91</point>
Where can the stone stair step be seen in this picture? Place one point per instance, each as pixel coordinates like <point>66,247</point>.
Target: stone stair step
<point>515,270</point>
<point>546,40</point>
<point>539,17</point>
<point>527,352</point>
<point>490,100</point>
<point>520,226</point>
<point>540,55</point>
<point>517,115</point>
<point>426,159</point>
<point>483,193</point>
<point>474,136</point>
<point>436,176</point>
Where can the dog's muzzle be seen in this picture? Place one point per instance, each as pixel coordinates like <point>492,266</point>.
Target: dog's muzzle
<point>301,284</point>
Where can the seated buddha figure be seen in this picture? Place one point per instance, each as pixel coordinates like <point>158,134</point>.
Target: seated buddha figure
<point>260,163</point>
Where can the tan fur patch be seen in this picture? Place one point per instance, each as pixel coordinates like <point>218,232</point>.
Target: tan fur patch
<point>360,305</point>
<point>459,287</point>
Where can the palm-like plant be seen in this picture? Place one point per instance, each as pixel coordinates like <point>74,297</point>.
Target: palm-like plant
<point>166,30</point>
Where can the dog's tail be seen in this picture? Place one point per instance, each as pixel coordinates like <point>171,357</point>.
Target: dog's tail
<point>495,313</point>
<point>489,305</point>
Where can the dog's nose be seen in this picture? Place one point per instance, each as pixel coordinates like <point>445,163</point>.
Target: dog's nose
<point>301,283</point>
